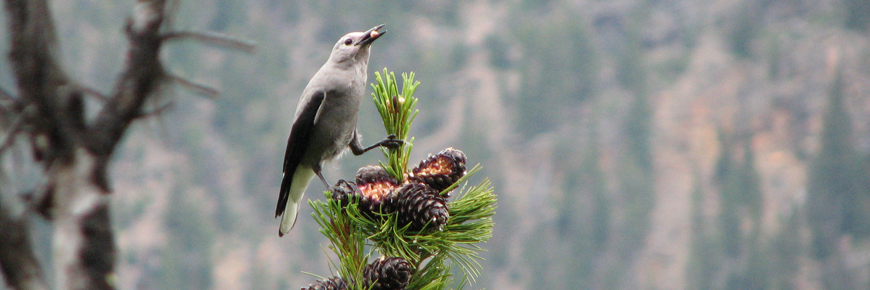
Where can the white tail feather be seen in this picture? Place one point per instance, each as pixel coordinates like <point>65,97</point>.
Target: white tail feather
<point>301,178</point>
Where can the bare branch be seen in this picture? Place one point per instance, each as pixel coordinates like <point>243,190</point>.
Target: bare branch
<point>14,129</point>
<point>156,112</point>
<point>7,102</point>
<point>92,92</point>
<point>34,54</point>
<point>213,38</point>
<point>39,199</point>
<point>139,80</point>
<point>207,91</point>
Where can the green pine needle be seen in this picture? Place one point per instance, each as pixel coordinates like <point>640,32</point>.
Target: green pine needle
<point>397,111</point>
<point>346,239</point>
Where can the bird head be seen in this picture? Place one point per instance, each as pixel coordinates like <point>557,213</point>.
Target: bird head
<point>353,48</point>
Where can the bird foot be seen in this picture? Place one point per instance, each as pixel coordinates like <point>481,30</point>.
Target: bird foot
<point>391,142</point>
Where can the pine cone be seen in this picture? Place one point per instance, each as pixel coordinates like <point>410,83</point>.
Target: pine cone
<point>440,171</point>
<point>418,204</point>
<point>334,283</point>
<point>387,274</point>
<point>373,187</point>
<point>376,187</point>
<point>344,190</point>
<point>373,173</point>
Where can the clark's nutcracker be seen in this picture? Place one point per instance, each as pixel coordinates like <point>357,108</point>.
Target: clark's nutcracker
<point>325,122</point>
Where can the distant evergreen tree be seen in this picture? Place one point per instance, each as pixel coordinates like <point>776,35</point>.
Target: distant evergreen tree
<point>636,177</point>
<point>632,74</point>
<point>584,218</point>
<point>750,182</point>
<point>725,160</point>
<point>498,52</point>
<point>756,273</point>
<point>729,201</point>
<point>785,250</point>
<point>638,131</point>
<point>740,198</point>
<point>635,199</point>
<point>857,14</point>
<point>834,194</point>
<point>630,69</point>
<point>704,253</point>
<point>860,208</point>
<point>833,189</point>
<point>744,29</point>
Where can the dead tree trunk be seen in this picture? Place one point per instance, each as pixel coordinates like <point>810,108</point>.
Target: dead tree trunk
<point>84,248</point>
<point>73,152</point>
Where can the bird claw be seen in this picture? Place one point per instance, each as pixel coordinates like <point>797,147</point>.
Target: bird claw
<point>391,142</point>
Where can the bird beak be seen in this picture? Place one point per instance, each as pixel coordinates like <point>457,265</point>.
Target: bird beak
<point>372,34</point>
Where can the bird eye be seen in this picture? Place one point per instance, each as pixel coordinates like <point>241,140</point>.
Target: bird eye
<point>348,41</point>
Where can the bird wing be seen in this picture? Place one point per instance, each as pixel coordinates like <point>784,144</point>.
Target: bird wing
<point>297,144</point>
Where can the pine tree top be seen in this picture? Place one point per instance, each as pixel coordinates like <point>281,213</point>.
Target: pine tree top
<point>392,227</point>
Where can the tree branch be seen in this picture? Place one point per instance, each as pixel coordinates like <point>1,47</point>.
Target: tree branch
<point>156,112</point>
<point>9,105</point>
<point>207,91</point>
<point>213,38</point>
<point>33,54</point>
<point>13,131</point>
<point>139,80</point>
<point>31,40</point>
<point>93,93</point>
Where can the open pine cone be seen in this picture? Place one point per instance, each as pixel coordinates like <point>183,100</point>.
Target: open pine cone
<point>440,171</point>
<point>373,187</point>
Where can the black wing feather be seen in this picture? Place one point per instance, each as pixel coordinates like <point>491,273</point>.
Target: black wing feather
<point>297,144</point>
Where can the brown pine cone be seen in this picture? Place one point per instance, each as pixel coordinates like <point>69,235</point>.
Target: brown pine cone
<point>334,283</point>
<point>387,274</point>
<point>344,190</point>
<point>418,204</point>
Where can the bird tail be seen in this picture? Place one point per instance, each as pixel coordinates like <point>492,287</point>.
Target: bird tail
<point>300,180</point>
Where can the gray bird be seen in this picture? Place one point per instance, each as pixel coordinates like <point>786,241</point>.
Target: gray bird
<point>325,122</point>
